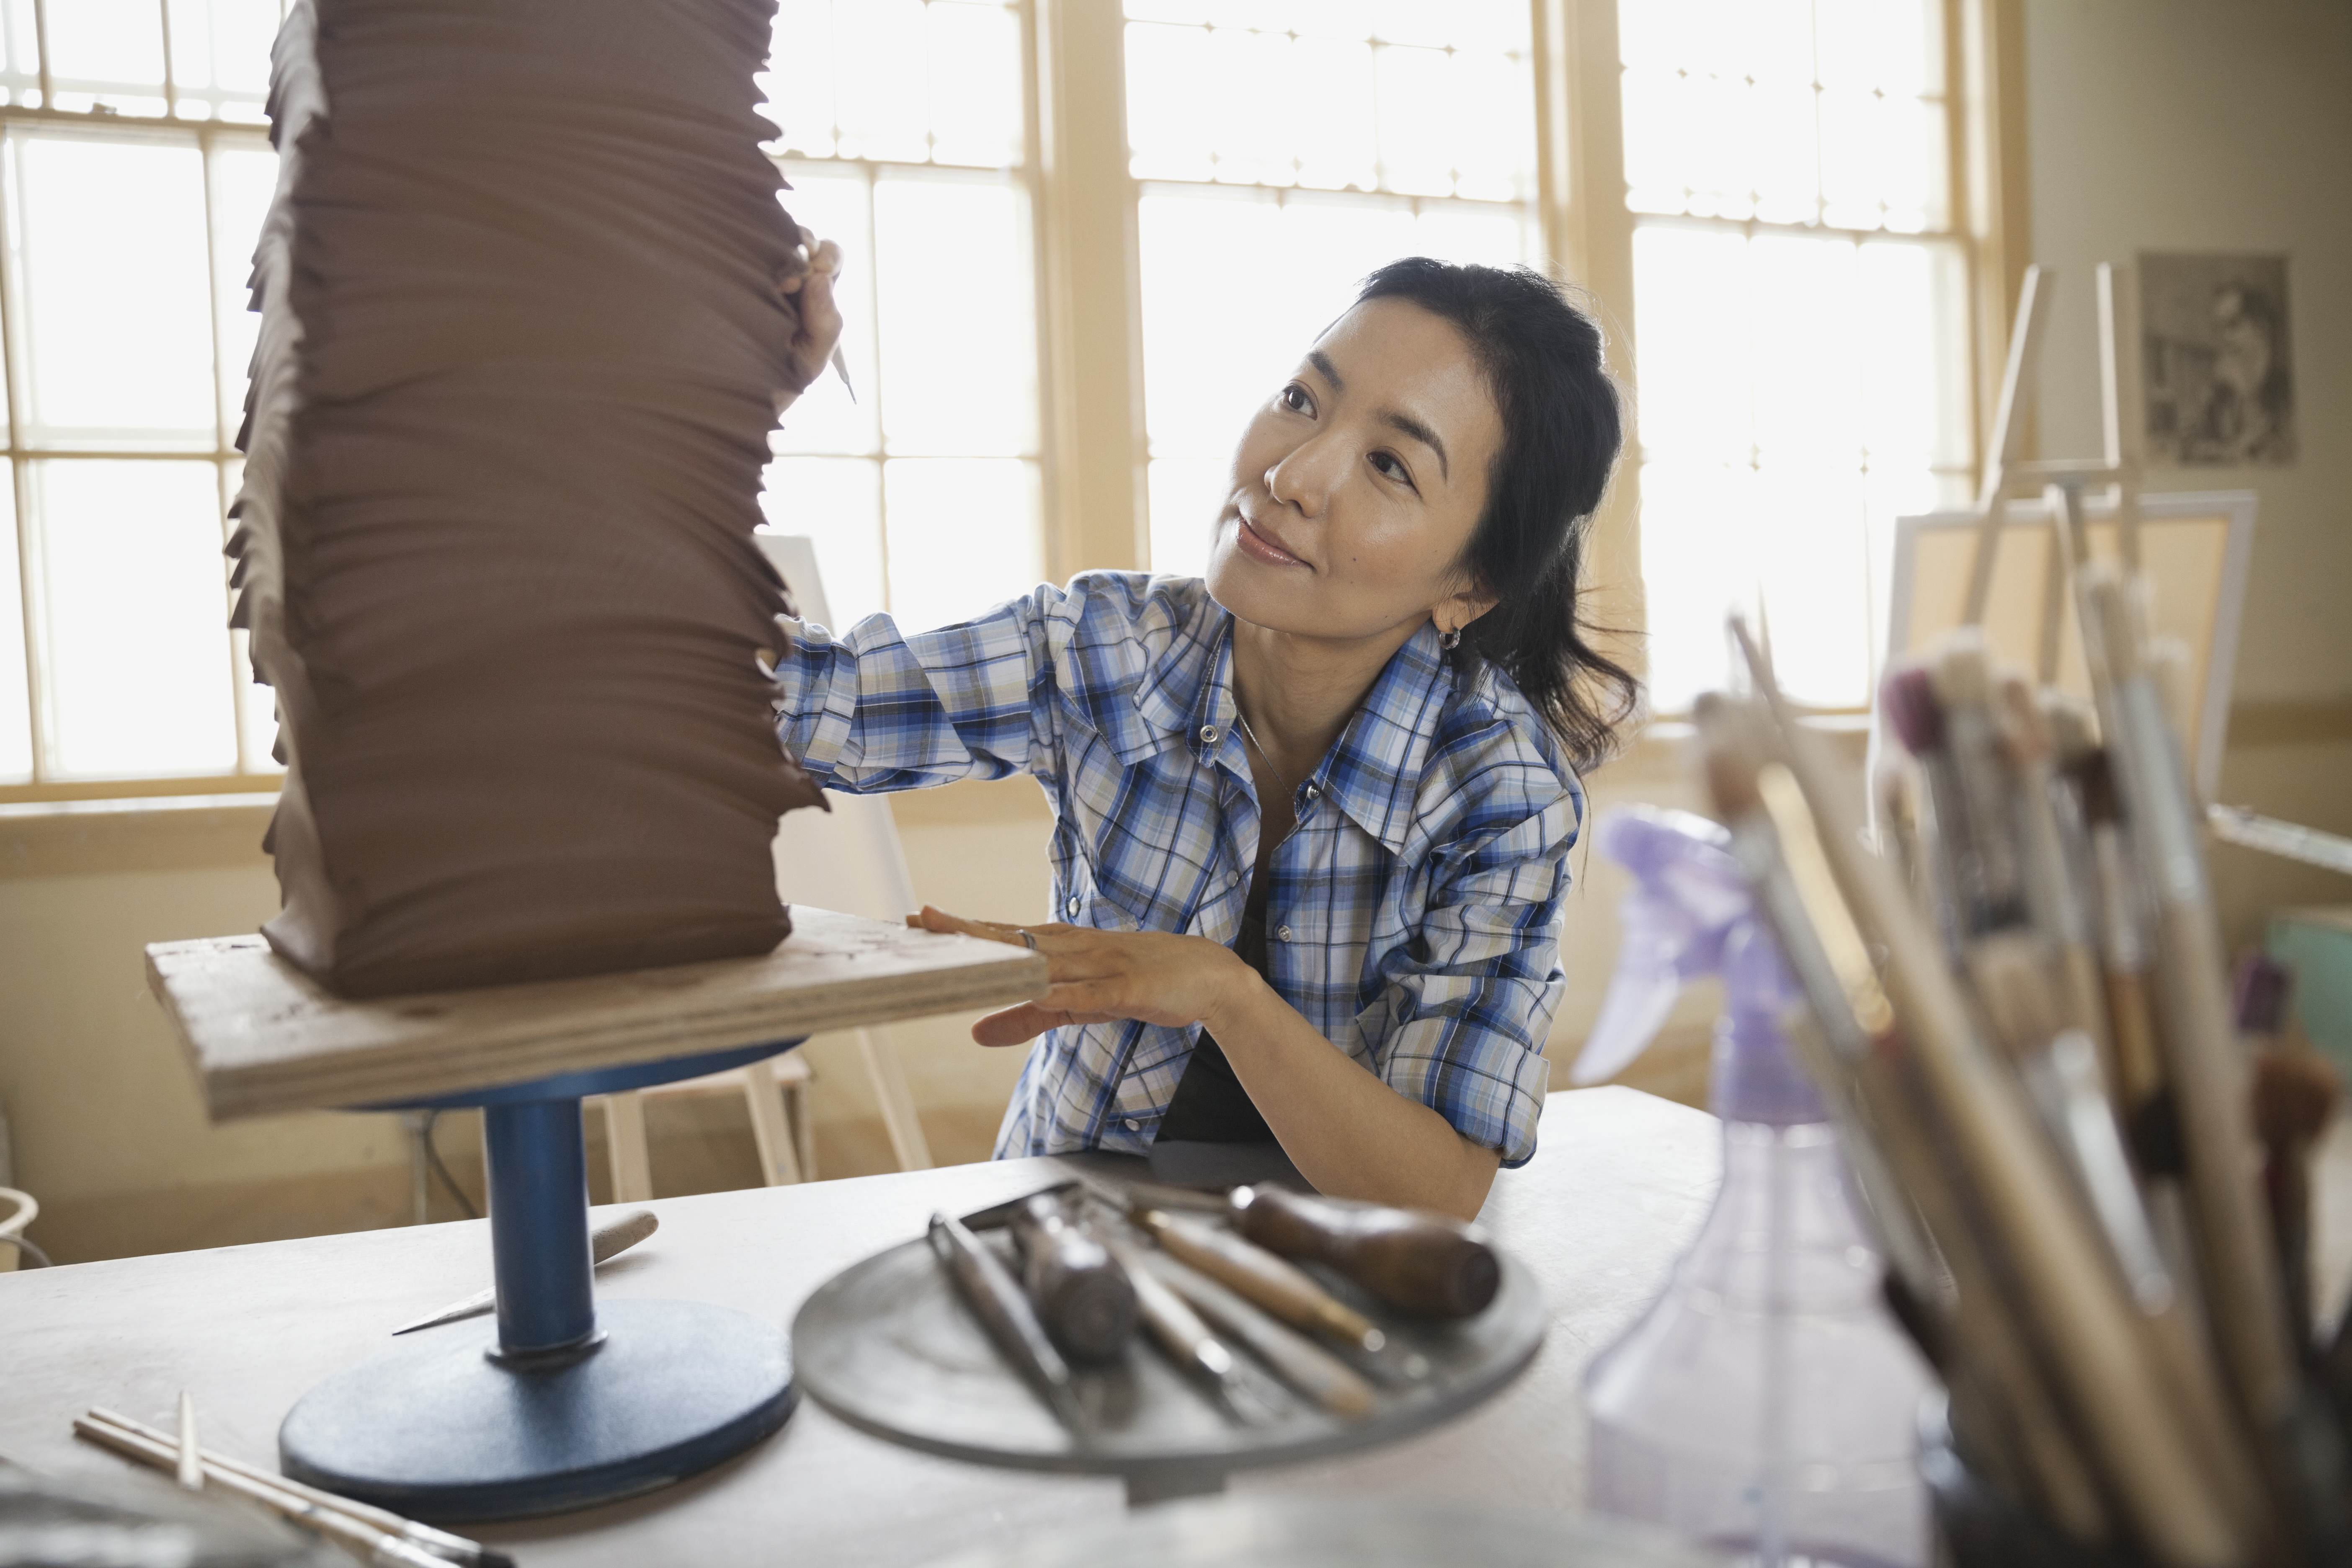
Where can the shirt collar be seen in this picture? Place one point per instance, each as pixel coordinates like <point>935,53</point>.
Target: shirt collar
<point>1370,774</point>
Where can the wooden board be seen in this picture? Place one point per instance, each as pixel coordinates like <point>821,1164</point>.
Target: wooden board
<point>266,1038</point>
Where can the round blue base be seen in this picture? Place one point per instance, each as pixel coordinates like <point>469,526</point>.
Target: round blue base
<point>435,1429</point>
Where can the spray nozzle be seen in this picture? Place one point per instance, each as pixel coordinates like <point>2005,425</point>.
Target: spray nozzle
<point>1689,915</point>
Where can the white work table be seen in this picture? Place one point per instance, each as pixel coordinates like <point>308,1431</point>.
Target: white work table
<point>1616,1189</point>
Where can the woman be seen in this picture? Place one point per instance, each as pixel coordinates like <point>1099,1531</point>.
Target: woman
<point>1312,814</point>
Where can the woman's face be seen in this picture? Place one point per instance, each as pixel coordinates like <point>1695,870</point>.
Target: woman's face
<point>1356,488</point>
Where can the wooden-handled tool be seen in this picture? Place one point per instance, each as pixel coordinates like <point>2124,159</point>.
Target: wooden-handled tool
<point>1304,1364</point>
<point>988,1289</point>
<point>347,1524</point>
<point>606,1242</point>
<point>1425,1264</point>
<point>1187,1340</point>
<point>1279,1287</point>
<point>1083,1296</point>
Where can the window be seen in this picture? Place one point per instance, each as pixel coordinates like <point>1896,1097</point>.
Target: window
<point>136,176</point>
<point>905,136</point>
<point>1334,136</point>
<point>1200,183</point>
<point>1799,304</point>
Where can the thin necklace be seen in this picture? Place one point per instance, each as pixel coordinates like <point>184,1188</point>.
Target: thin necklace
<point>1251,736</point>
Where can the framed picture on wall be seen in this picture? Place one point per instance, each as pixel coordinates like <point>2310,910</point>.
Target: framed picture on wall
<point>2219,364</point>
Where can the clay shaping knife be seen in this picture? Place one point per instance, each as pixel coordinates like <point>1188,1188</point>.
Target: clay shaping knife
<point>605,1243</point>
<point>988,1288</point>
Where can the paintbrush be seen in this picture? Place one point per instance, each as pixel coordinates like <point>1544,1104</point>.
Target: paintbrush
<point>441,1544</point>
<point>988,1289</point>
<point>2077,1306</point>
<point>607,1241</point>
<point>362,1539</point>
<point>2051,895</point>
<point>2296,1090</point>
<point>1850,1042</point>
<point>2241,1287</point>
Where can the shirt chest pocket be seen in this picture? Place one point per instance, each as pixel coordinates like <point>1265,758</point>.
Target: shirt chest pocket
<point>1079,898</point>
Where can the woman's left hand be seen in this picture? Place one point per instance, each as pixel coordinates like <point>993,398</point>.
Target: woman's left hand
<point>1100,975</point>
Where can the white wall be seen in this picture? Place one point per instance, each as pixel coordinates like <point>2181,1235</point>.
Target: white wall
<point>2214,126</point>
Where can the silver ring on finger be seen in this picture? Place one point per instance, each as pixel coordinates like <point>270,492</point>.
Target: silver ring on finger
<point>1028,938</point>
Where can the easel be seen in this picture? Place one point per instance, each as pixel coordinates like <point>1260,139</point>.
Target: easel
<point>2062,483</point>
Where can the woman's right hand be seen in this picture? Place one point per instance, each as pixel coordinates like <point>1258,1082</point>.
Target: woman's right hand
<point>808,296</point>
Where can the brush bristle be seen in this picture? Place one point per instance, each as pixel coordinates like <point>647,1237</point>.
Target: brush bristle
<point>1962,670</point>
<point>2012,980</point>
<point>2259,994</point>
<point>2074,730</point>
<point>1729,754</point>
<point>2024,735</point>
<point>2295,1096</point>
<point>1907,698</point>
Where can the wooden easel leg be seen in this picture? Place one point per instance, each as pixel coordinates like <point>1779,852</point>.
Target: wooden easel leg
<point>906,1129</point>
<point>624,1142</point>
<point>778,1160</point>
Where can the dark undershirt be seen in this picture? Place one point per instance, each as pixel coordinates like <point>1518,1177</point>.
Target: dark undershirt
<point>1210,1106</point>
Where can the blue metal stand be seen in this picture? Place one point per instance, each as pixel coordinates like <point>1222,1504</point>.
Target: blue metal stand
<point>566,1405</point>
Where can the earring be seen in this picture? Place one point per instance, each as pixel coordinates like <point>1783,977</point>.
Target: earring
<point>1451,640</point>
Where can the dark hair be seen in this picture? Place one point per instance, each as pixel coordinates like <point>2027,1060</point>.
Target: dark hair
<point>1562,428</point>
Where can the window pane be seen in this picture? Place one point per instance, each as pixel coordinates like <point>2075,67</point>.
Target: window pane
<point>798,82</point>
<point>837,504</point>
<point>20,53</point>
<point>963,537</point>
<point>878,49</point>
<point>15,705</point>
<point>244,179</point>
<point>107,51</point>
<point>135,602</point>
<point>220,57</point>
<point>828,416</point>
<point>975,83</point>
<point>1187,494</point>
<point>1793,391</point>
<point>111,240</point>
<point>958,367</point>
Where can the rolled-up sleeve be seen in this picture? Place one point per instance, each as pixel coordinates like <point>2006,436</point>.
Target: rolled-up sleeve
<point>877,711</point>
<point>1460,1021</point>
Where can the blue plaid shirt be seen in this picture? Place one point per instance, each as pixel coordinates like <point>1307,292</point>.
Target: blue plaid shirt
<point>1414,917</point>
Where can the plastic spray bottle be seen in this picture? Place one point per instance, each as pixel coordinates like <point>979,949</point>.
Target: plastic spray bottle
<point>1767,1403</point>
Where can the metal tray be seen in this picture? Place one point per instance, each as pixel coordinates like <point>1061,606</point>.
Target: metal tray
<point>888,1346</point>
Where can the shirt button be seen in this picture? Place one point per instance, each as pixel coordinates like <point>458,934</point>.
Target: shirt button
<point>1208,734</point>
<point>1232,878</point>
<point>1133,1125</point>
<point>1283,932</point>
<point>1072,906</point>
<point>1314,790</point>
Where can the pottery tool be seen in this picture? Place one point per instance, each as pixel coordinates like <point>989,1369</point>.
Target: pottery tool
<point>606,1242</point>
<point>989,1289</point>
<point>1083,1295</point>
<point>2075,1305</point>
<point>1429,1265</point>
<point>355,1535</point>
<point>1281,1287</point>
<point>1299,1361</point>
<point>222,1469</point>
<point>2241,1288</point>
<point>1198,1353</point>
<point>190,1467</point>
